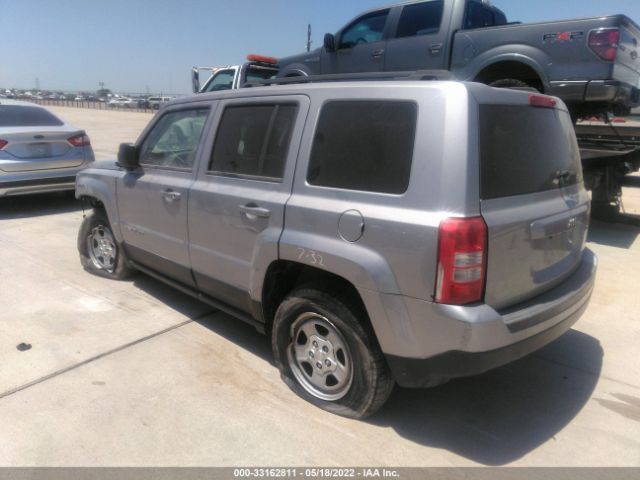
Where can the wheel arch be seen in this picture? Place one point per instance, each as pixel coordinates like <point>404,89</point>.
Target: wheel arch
<point>517,69</point>
<point>100,193</point>
<point>294,70</point>
<point>284,276</point>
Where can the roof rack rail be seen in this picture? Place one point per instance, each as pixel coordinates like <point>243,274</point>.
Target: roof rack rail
<point>361,76</point>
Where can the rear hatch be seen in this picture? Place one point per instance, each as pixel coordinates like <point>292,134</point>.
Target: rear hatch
<point>532,199</point>
<point>35,139</point>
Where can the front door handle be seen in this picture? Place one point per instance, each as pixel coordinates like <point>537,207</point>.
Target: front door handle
<point>253,211</point>
<point>377,53</point>
<point>170,195</point>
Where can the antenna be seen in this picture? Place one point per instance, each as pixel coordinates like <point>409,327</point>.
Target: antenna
<point>309,37</point>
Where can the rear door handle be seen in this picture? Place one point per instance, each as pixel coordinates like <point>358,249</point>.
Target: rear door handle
<point>377,53</point>
<point>253,211</point>
<point>435,48</point>
<point>170,195</point>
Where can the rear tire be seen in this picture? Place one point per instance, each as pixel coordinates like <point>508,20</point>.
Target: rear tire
<point>100,253</point>
<point>327,356</point>
<point>512,83</point>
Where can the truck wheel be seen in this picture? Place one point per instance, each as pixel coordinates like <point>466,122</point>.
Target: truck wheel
<point>512,83</point>
<point>100,254</point>
<point>327,357</point>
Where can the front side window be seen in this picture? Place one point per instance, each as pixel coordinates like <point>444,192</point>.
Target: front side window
<point>367,29</point>
<point>364,145</point>
<point>420,19</point>
<point>221,81</point>
<point>253,140</point>
<point>174,139</point>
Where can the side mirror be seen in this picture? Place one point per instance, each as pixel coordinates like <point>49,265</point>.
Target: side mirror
<point>128,156</point>
<point>195,80</point>
<point>329,42</point>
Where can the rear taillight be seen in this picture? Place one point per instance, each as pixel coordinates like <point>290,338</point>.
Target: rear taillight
<point>79,141</point>
<point>462,260</point>
<point>604,43</point>
<point>3,143</point>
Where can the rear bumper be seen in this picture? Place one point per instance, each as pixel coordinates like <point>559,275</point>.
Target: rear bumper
<point>596,91</point>
<point>479,338</point>
<point>37,184</point>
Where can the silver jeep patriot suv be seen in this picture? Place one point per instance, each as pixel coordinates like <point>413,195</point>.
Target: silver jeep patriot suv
<point>379,232</point>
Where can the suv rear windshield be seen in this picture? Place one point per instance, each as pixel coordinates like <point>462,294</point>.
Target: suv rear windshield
<point>526,149</point>
<point>20,116</point>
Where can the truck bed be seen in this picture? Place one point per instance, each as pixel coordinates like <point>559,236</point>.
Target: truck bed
<point>559,47</point>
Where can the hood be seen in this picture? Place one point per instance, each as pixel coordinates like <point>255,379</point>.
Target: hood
<point>105,165</point>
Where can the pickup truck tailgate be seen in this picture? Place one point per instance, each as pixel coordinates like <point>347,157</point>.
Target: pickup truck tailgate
<point>627,64</point>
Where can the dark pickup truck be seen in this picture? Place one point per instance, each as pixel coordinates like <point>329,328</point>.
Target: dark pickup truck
<point>592,64</point>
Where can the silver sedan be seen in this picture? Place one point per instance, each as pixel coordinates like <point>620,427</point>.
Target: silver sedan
<point>38,151</point>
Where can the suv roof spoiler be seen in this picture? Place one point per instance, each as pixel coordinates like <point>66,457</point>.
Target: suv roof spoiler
<point>342,77</point>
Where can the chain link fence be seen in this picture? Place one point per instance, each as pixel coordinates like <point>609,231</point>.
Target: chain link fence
<point>136,105</point>
<point>133,107</point>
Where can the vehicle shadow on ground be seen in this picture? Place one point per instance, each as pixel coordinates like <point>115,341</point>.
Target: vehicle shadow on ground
<point>37,205</point>
<point>493,419</point>
<point>234,330</point>
<point>502,415</point>
<point>181,302</point>
<point>619,235</point>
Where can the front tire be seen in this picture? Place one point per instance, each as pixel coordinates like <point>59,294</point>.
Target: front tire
<point>327,356</point>
<point>100,253</point>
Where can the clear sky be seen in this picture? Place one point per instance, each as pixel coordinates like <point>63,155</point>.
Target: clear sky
<point>134,44</point>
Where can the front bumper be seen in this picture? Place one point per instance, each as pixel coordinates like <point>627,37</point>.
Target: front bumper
<point>479,338</point>
<point>610,92</point>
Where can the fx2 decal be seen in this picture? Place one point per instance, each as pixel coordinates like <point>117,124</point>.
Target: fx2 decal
<point>562,37</point>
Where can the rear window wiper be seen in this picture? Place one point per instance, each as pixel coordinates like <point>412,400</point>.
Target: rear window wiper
<point>561,177</point>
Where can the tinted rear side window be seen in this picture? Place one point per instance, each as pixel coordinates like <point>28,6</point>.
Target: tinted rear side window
<point>19,116</point>
<point>253,140</point>
<point>524,149</point>
<point>364,145</point>
<point>479,16</point>
<point>420,19</point>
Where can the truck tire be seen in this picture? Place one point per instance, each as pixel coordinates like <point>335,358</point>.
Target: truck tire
<point>512,83</point>
<point>100,253</point>
<point>327,356</point>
